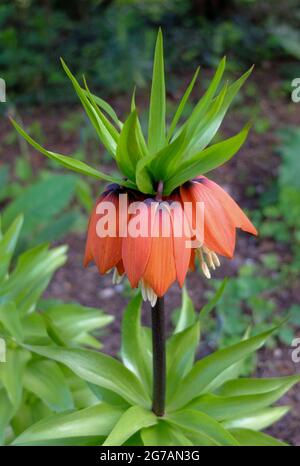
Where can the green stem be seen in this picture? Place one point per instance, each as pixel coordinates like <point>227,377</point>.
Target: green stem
<point>159,357</point>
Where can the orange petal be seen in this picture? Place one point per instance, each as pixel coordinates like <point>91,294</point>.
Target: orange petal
<point>160,271</point>
<point>106,251</point>
<point>136,249</point>
<point>219,231</point>
<point>236,214</point>
<point>182,251</point>
<point>92,238</point>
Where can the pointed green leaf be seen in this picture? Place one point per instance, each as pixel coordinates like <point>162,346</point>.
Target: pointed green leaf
<point>46,380</point>
<point>192,420</point>
<point>251,438</point>
<point>101,124</point>
<point>257,420</point>
<point>181,106</point>
<point>228,407</point>
<point>106,107</point>
<point>207,160</point>
<point>133,420</point>
<point>251,386</point>
<point>99,369</point>
<point>96,421</point>
<point>211,121</point>
<point>72,164</point>
<point>181,350</point>
<point>133,351</point>
<point>205,101</point>
<point>207,308</point>
<point>187,314</point>
<point>157,111</point>
<point>130,147</point>
<point>208,368</point>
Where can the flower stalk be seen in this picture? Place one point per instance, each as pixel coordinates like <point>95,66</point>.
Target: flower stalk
<point>159,357</point>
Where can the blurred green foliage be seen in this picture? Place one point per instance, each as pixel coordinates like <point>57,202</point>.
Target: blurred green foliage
<point>112,40</point>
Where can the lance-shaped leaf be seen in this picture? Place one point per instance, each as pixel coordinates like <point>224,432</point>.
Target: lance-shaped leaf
<point>211,121</point>
<point>131,147</point>
<point>181,350</point>
<point>187,315</point>
<point>207,160</point>
<point>103,127</point>
<point>157,111</point>
<point>251,438</point>
<point>205,101</point>
<point>198,422</point>
<point>208,368</point>
<point>106,107</point>
<point>70,163</point>
<point>46,380</point>
<point>181,106</point>
<point>228,407</point>
<point>102,121</point>
<point>95,421</point>
<point>208,307</point>
<point>98,369</point>
<point>252,386</point>
<point>133,350</point>
<point>133,420</point>
<point>258,420</point>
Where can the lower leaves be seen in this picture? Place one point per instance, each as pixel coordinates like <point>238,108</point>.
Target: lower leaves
<point>207,402</point>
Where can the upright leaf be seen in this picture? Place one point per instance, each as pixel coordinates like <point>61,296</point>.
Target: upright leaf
<point>205,370</point>
<point>181,106</point>
<point>157,110</point>
<point>133,351</point>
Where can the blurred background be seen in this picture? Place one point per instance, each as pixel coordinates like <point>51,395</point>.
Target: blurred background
<point>111,42</point>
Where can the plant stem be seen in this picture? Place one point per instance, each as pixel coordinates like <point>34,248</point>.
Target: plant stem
<point>159,357</point>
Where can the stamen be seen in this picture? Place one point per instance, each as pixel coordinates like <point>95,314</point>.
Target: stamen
<point>117,278</point>
<point>205,270</point>
<point>148,293</point>
<point>215,259</point>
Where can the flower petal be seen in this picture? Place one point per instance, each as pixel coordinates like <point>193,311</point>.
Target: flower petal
<point>219,231</point>
<point>160,271</point>
<point>136,249</point>
<point>181,237</point>
<point>236,214</point>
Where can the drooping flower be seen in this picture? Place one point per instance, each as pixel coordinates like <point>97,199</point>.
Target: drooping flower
<point>152,241</point>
